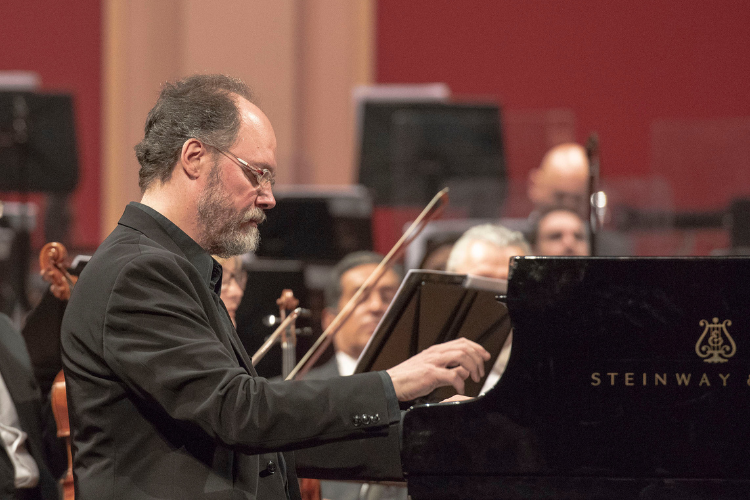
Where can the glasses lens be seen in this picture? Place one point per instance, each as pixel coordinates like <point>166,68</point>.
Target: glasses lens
<point>265,178</point>
<point>242,279</point>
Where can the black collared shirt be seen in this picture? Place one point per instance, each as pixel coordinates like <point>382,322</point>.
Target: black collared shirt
<point>198,257</point>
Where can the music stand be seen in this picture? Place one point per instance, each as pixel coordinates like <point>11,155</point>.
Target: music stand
<point>432,307</point>
<point>37,154</point>
<point>37,143</point>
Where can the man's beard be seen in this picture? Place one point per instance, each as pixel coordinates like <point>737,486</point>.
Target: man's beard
<point>221,226</point>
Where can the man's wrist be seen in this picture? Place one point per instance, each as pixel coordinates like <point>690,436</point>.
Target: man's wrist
<point>394,412</point>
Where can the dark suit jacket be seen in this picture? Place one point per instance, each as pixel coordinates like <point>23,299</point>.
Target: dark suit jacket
<point>322,462</point>
<point>326,371</point>
<point>34,415</point>
<point>164,402</point>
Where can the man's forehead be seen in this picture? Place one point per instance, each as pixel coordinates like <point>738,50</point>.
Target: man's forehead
<point>559,220</point>
<point>256,128</point>
<point>354,277</point>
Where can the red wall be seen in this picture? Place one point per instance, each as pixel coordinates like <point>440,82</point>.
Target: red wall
<point>619,66</point>
<point>62,42</point>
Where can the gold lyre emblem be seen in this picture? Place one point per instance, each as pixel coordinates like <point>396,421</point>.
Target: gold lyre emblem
<point>711,345</point>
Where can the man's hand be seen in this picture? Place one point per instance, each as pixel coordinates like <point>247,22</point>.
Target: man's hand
<point>444,364</point>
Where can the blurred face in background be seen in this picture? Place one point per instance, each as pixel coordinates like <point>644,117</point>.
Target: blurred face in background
<point>488,260</point>
<point>356,331</point>
<point>561,180</point>
<point>561,232</point>
<point>233,282</point>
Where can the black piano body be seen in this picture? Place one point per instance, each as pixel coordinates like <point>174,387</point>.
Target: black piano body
<point>629,378</point>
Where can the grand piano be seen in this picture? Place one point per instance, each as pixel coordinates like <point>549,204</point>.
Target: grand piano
<point>629,378</point>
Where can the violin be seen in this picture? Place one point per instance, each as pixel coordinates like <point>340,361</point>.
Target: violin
<point>52,259</point>
<point>52,267</point>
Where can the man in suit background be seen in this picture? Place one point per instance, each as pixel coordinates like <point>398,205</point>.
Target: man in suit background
<point>164,401</point>
<point>350,339</point>
<point>345,279</point>
<point>33,456</point>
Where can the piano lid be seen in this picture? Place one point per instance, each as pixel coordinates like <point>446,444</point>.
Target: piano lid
<point>626,375</point>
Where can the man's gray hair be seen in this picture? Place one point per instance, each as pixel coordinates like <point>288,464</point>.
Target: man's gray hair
<point>199,106</point>
<point>497,235</point>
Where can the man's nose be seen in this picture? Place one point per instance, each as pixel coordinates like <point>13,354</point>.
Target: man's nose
<point>376,303</point>
<point>266,199</point>
<point>570,244</point>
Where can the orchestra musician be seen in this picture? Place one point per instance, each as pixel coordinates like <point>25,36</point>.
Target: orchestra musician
<point>561,180</point>
<point>559,231</point>
<point>32,454</point>
<point>485,250</point>
<point>164,402</point>
<point>233,282</point>
<point>345,279</point>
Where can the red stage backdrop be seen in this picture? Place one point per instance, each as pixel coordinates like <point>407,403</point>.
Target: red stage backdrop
<point>638,73</point>
<point>61,41</point>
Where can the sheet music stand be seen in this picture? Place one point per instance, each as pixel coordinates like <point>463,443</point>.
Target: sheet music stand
<point>38,154</point>
<point>432,307</point>
<point>37,143</point>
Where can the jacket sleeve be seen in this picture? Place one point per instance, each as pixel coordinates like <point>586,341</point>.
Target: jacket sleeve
<point>376,459</point>
<point>159,342</point>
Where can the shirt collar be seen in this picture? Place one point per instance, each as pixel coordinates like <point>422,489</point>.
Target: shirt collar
<point>346,363</point>
<point>198,257</point>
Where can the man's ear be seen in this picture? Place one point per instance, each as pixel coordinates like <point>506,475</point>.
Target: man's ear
<point>194,158</point>
<point>327,316</point>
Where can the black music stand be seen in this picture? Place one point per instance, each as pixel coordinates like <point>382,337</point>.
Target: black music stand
<point>38,154</point>
<point>37,143</point>
<point>432,307</point>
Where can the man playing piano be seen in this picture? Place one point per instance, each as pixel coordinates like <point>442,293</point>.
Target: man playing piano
<point>164,402</point>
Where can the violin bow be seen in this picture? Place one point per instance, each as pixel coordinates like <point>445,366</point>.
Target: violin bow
<point>430,212</point>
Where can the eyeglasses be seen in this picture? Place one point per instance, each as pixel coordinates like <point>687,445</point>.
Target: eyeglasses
<point>263,177</point>
<point>240,278</point>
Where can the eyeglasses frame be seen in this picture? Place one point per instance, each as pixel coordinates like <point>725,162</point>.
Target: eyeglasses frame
<point>263,177</point>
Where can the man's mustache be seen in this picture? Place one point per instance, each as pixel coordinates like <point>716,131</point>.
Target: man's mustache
<point>256,215</point>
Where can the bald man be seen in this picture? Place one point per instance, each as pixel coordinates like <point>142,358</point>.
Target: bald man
<point>561,179</point>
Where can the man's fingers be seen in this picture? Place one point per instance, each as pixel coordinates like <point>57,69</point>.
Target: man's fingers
<point>450,363</point>
<point>467,354</point>
<point>454,376</point>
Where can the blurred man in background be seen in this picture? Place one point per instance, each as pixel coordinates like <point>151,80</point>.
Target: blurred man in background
<point>345,279</point>
<point>486,250</point>
<point>233,282</point>
<point>562,179</point>
<point>559,231</point>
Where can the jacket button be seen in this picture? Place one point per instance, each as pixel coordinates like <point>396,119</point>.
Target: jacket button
<point>375,418</point>
<point>357,420</point>
<point>271,467</point>
<point>366,419</point>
